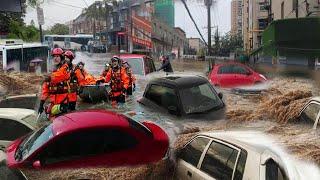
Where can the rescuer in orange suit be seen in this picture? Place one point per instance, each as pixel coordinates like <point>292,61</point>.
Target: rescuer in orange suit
<point>119,81</point>
<point>55,86</point>
<point>83,77</point>
<point>132,78</point>
<point>72,83</point>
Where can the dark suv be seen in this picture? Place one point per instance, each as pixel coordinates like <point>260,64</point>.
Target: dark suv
<point>187,96</point>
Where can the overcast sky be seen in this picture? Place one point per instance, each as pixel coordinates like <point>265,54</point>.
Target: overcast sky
<point>61,11</point>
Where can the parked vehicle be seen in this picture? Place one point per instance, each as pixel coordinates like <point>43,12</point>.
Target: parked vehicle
<point>230,155</point>
<point>89,138</point>
<point>234,74</point>
<point>310,113</point>
<point>186,96</point>
<point>26,101</point>
<point>14,123</point>
<point>140,64</point>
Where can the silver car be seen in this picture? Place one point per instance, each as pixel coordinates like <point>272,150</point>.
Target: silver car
<point>14,123</point>
<point>310,113</point>
<point>230,155</point>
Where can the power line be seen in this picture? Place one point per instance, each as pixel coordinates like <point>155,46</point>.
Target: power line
<point>85,3</point>
<point>195,24</point>
<point>60,3</point>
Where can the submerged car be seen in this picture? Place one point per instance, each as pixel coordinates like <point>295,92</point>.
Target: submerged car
<point>140,64</point>
<point>234,74</point>
<point>14,123</point>
<point>184,96</point>
<point>230,155</point>
<point>26,101</point>
<point>310,113</point>
<point>89,138</point>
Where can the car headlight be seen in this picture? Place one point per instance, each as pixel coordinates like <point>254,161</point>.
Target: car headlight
<point>263,77</point>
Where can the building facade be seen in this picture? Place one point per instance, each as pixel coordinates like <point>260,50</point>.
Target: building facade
<point>255,20</point>
<point>283,9</point>
<point>164,10</point>
<point>236,17</point>
<point>196,43</point>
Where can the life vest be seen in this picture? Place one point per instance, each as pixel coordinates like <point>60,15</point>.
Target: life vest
<point>58,88</point>
<point>116,83</point>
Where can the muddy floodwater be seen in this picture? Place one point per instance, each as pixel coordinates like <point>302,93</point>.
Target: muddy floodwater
<point>273,113</point>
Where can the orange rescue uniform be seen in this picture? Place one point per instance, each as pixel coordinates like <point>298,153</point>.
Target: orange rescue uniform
<point>84,78</point>
<point>119,80</point>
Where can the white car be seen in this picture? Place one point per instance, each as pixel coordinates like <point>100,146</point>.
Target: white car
<point>310,113</point>
<point>231,155</point>
<point>14,123</point>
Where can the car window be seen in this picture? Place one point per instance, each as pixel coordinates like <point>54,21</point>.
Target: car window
<point>11,130</point>
<point>240,165</point>
<point>192,152</point>
<point>227,69</point>
<point>309,115</point>
<point>87,143</point>
<point>199,99</point>
<point>273,171</point>
<point>162,96</point>
<point>219,161</point>
<point>136,65</point>
<point>239,70</point>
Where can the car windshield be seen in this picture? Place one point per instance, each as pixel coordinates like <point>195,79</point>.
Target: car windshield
<point>33,142</point>
<point>136,65</point>
<point>199,99</point>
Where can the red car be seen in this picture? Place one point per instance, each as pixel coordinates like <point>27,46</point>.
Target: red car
<point>140,64</point>
<point>89,138</point>
<point>234,74</point>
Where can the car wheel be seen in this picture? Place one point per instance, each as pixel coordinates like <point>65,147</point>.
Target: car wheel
<point>257,82</point>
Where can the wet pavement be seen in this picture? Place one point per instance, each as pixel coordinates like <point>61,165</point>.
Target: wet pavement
<point>265,112</point>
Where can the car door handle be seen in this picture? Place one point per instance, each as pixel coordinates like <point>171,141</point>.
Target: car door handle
<point>189,173</point>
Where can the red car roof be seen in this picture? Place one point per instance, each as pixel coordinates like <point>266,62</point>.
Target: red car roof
<point>132,55</point>
<point>87,119</point>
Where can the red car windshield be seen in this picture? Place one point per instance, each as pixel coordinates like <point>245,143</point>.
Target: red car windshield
<point>136,65</point>
<point>199,99</point>
<point>33,142</point>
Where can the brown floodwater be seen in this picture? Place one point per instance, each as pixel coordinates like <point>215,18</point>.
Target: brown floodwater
<point>273,113</point>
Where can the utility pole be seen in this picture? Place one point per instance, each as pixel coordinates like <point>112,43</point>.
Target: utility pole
<point>297,8</point>
<point>208,3</point>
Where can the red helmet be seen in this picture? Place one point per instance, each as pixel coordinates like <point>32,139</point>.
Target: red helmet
<point>69,54</point>
<point>57,51</point>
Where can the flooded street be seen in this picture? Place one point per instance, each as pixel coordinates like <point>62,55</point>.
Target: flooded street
<point>272,112</point>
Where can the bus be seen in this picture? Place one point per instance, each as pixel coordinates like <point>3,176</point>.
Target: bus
<point>15,55</point>
<point>72,42</point>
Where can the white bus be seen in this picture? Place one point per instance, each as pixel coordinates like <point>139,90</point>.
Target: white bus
<point>73,42</point>
<point>15,55</point>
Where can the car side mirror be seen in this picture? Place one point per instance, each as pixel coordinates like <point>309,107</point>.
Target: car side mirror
<point>36,164</point>
<point>220,95</point>
<point>248,73</point>
<point>173,110</point>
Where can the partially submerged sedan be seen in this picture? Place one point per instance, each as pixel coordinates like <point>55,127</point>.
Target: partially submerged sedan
<point>89,138</point>
<point>184,96</point>
<point>139,64</point>
<point>231,155</point>
<point>310,113</point>
<point>14,123</point>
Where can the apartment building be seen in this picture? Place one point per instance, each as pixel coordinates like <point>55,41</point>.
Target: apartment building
<point>236,17</point>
